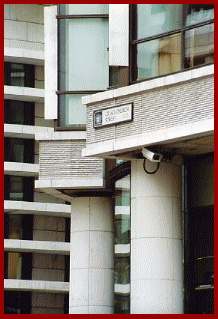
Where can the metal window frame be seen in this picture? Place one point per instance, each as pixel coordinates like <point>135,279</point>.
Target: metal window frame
<point>134,42</point>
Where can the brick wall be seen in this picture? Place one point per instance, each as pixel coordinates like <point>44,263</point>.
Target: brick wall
<point>63,160</point>
<point>156,109</point>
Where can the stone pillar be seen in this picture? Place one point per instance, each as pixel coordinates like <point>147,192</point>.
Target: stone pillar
<point>91,256</point>
<point>156,240</point>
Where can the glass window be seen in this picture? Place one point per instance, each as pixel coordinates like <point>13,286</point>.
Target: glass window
<point>83,54</point>
<point>122,270</point>
<point>17,74</point>
<point>16,189</point>
<point>72,111</point>
<point>199,46</point>
<point>197,13</point>
<point>153,19</point>
<point>18,112</point>
<point>159,57</point>
<point>83,9</point>
<point>18,150</point>
<point>121,304</point>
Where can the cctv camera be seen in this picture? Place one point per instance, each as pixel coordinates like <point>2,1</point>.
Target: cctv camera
<point>153,157</point>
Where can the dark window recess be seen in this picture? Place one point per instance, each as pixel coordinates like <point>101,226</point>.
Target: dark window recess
<point>17,74</point>
<point>19,112</point>
<point>6,225</point>
<point>18,150</point>
<point>66,304</point>
<point>67,230</point>
<point>27,227</point>
<point>18,188</point>
<point>26,271</point>
<point>17,302</point>
<point>67,268</point>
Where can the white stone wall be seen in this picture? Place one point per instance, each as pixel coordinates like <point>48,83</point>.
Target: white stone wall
<point>23,26</point>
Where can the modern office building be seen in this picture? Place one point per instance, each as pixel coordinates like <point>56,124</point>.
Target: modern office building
<point>109,199</point>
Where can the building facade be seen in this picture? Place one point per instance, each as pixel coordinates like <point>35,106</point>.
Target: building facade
<point>109,158</point>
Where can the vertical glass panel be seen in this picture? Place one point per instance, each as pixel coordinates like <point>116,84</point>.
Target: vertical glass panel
<point>72,111</point>
<point>16,190</point>
<point>122,210</point>
<point>83,54</point>
<point>113,76</point>
<point>15,227</point>
<point>17,74</point>
<point>83,8</point>
<point>121,304</point>
<point>14,265</point>
<point>197,13</point>
<point>153,19</point>
<point>199,46</point>
<point>122,230</point>
<point>159,57</point>
<point>122,270</point>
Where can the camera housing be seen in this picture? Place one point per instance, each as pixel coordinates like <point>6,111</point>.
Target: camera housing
<point>153,157</point>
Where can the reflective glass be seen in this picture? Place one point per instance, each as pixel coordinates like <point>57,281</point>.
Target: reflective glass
<point>154,19</point>
<point>122,230</point>
<point>199,46</point>
<point>16,189</point>
<point>83,9</point>
<point>72,111</point>
<point>121,304</point>
<point>122,270</point>
<point>197,13</point>
<point>83,54</point>
<point>159,57</point>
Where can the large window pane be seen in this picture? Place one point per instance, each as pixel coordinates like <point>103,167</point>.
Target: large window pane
<point>159,57</point>
<point>83,8</point>
<point>83,54</point>
<point>199,46</point>
<point>18,150</point>
<point>72,111</point>
<point>197,13</point>
<point>153,19</point>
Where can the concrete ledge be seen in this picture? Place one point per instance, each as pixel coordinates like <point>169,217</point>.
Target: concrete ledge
<point>122,249</point>
<point>45,247</point>
<point>70,183</point>
<point>122,289</point>
<point>20,207</point>
<point>24,131</point>
<point>24,94</point>
<point>171,79</point>
<point>21,169</point>
<point>36,285</point>
<point>59,136</point>
<point>131,143</point>
<point>24,56</point>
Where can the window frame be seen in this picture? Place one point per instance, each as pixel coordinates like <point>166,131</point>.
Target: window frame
<point>60,17</point>
<point>134,42</point>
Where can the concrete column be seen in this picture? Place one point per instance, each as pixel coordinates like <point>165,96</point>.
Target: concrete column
<point>91,256</point>
<point>156,240</point>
